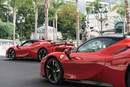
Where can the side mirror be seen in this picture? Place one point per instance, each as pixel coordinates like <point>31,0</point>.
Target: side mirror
<point>17,46</point>
<point>68,52</point>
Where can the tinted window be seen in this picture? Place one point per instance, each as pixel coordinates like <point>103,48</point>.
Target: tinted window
<point>96,44</point>
<point>26,43</point>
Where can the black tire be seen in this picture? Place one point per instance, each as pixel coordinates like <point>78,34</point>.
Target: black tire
<point>53,71</point>
<point>11,54</point>
<point>128,79</point>
<point>42,53</point>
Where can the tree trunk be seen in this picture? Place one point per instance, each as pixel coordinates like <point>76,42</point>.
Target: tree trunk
<point>77,22</point>
<point>14,24</point>
<point>36,18</point>
<point>53,29</point>
<point>127,15</point>
<point>56,18</point>
<point>46,18</point>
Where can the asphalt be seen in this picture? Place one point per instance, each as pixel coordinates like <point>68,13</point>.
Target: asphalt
<point>26,73</point>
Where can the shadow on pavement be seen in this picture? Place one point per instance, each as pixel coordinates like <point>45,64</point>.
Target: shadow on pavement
<point>21,60</point>
<point>67,84</point>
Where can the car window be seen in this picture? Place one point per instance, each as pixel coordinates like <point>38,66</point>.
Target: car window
<point>96,45</point>
<point>26,44</point>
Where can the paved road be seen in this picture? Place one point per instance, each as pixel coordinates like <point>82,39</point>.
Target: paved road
<point>26,73</point>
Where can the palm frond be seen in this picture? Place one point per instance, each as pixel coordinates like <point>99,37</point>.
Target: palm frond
<point>118,6</point>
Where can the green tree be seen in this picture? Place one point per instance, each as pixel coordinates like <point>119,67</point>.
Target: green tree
<point>5,30</point>
<point>96,4</point>
<point>15,4</point>
<point>53,10</point>
<point>120,9</point>
<point>88,11</point>
<point>3,10</point>
<point>36,4</point>
<point>28,26</point>
<point>41,15</point>
<point>66,20</point>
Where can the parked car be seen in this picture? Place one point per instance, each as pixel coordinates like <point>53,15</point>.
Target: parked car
<point>37,49</point>
<point>101,59</point>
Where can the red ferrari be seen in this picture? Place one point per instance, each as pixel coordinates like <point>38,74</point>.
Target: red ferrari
<point>102,59</point>
<point>36,49</point>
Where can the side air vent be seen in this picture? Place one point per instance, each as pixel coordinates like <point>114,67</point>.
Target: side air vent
<point>122,50</point>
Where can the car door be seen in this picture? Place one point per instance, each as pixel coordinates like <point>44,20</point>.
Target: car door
<point>88,58</point>
<point>23,50</point>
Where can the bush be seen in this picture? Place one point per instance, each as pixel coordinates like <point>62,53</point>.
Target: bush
<point>5,30</point>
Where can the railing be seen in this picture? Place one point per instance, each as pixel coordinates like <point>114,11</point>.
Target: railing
<point>4,45</point>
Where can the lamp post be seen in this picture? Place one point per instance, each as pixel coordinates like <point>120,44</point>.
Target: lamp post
<point>99,12</point>
<point>20,21</point>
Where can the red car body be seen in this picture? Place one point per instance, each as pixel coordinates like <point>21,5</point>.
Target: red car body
<point>110,64</point>
<point>32,49</point>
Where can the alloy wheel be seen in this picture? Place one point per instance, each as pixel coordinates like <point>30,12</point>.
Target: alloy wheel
<point>11,54</point>
<point>54,71</point>
<point>42,53</point>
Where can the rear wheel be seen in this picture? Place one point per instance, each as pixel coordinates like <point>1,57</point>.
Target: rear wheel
<point>11,54</point>
<point>53,71</point>
<point>42,53</point>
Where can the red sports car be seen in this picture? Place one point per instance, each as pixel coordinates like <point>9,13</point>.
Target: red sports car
<point>36,49</point>
<point>101,59</point>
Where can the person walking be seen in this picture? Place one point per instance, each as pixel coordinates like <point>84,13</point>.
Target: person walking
<point>88,33</point>
<point>85,34</point>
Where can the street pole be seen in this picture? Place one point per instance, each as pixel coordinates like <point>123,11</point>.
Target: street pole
<point>101,20</point>
<point>124,28</point>
<point>20,21</point>
<point>77,23</point>
<point>46,18</point>
<point>20,31</point>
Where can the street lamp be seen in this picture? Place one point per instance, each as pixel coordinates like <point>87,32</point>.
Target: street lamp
<point>20,21</point>
<point>99,12</point>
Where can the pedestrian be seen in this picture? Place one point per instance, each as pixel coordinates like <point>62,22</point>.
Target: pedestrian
<point>85,34</point>
<point>89,33</point>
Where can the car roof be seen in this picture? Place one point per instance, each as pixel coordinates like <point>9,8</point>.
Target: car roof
<point>113,36</point>
<point>33,41</point>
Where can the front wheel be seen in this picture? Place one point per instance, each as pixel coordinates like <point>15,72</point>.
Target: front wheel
<point>53,71</point>
<point>11,54</point>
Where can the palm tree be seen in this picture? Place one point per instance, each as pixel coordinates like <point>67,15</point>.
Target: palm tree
<point>96,4</point>
<point>55,7</point>
<point>15,4</point>
<point>77,23</point>
<point>88,11</point>
<point>120,9</point>
<point>36,4</point>
<point>46,17</point>
<point>127,15</point>
<point>2,1</point>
